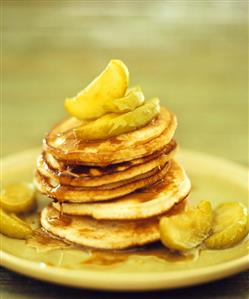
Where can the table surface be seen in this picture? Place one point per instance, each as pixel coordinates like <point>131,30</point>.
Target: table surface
<point>191,54</point>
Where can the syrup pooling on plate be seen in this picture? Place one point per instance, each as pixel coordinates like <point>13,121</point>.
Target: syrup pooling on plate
<point>111,258</point>
<point>43,241</point>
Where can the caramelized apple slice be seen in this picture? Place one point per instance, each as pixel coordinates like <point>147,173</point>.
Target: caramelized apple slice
<point>133,99</point>
<point>111,84</point>
<point>13,227</point>
<point>188,229</point>
<point>230,225</point>
<point>115,124</point>
<point>18,197</point>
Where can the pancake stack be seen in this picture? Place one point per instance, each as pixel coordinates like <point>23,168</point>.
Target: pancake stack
<point>111,193</point>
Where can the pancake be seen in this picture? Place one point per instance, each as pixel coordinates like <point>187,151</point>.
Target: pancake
<point>110,186</point>
<point>103,234</point>
<point>78,176</point>
<point>62,143</point>
<point>95,171</point>
<point>153,201</point>
<point>90,194</point>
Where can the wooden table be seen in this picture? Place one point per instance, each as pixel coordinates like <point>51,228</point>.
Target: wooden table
<point>193,55</point>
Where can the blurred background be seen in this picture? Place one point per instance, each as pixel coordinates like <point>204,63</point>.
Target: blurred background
<point>192,54</point>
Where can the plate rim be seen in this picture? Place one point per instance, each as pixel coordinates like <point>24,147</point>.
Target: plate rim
<point>158,280</point>
<point>122,281</point>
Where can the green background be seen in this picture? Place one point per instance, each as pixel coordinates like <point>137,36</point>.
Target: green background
<point>192,54</point>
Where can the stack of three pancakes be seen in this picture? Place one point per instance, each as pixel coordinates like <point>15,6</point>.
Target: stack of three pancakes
<point>114,191</point>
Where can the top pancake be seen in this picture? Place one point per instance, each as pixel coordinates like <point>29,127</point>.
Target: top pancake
<point>62,143</point>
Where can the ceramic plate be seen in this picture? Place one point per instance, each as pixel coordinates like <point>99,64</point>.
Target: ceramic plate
<point>214,179</point>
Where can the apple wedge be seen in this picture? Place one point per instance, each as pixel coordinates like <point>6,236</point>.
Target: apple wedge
<point>133,99</point>
<point>18,197</point>
<point>111,84</point>
<point>230,225</point>
<point>187,230</point>
<point>114,124</point>
<point>12,226</point>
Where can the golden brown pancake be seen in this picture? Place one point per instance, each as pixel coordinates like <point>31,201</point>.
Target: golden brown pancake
<point>103,234</point>
<point>77,176</point>
<point>145,203</point>
<point>55,182</point>
<point>62,143</point>
<point>95,171</point>
<point>90,194</point>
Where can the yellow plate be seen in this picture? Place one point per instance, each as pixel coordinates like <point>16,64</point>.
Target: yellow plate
<point>212,179</point>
